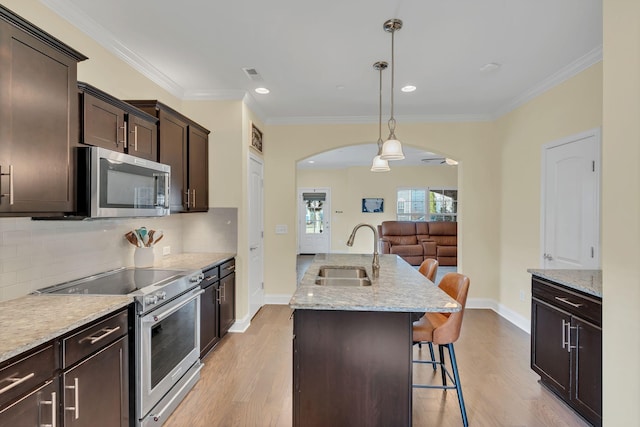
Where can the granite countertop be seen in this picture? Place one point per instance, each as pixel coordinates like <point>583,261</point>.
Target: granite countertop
<point>400,288</point>
<point>587,281</point>
<point>192,260</point>
<point>27,322</point>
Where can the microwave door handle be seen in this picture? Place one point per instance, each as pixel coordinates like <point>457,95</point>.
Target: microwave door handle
<point>167,188</point>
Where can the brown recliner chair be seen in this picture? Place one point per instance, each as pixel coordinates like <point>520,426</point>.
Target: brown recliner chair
<point>401,238</point>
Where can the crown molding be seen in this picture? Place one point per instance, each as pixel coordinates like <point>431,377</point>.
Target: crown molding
<point>105,38</point>
<point>214,95</point>
<point>590,58</point>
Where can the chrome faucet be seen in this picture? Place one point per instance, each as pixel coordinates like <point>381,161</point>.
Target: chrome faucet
<point>375,265</point>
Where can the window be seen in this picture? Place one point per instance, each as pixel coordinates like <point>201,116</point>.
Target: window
<point>427,204</point>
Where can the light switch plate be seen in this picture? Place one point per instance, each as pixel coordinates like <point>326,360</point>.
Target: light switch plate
<point>282,229</point>
<point>166,250</point>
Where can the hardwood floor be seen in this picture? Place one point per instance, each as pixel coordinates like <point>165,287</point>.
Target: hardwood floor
<point>246,380</point>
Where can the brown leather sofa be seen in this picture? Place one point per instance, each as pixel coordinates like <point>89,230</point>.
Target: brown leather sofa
<point>417,241</point>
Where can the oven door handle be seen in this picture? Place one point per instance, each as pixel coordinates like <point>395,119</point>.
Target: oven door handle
<point>160,317</point>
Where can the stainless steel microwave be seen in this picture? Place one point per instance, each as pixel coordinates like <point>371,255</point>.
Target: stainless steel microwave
<point>116,185</point>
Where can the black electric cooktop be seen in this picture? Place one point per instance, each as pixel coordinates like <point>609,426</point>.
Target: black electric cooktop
<point>117,282</point>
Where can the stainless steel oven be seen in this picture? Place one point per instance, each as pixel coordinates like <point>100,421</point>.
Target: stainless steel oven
<point>166,331</point>
<point>168,357</point>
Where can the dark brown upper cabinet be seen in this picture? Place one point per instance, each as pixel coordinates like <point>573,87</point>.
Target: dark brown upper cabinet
<point>38,117</point>
<point>110,123</point>
<point>184,145</point>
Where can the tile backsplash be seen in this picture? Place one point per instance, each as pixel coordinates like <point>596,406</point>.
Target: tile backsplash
<point>35,254</point>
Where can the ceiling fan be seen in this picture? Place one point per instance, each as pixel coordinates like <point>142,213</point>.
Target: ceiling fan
<point>439,161</point>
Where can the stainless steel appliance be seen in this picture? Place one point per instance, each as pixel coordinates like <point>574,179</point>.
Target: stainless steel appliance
<point>167,332</point>
<point>112,184</point>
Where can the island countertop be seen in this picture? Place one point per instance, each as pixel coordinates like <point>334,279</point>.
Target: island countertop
<point>400,288</point>
<point>587,281</point>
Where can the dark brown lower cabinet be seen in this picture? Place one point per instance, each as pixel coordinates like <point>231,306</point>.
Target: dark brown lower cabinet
<point>38,408</point>
<point>227,295</point>
<point>351,368</point>
<point>96,390</point>
<point>566,346</point>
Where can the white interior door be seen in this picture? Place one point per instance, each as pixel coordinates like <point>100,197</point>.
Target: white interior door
<point>256,250</point>
<point>571,203</point>
<point>314,220</point>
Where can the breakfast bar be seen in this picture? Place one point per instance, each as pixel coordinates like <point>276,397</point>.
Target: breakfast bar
<point>352,346</point>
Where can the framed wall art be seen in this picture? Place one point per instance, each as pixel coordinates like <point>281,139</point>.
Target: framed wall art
<point>256,138</point>
<point>373,205</point>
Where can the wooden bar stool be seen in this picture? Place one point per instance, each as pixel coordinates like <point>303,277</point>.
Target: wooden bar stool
<point>444,329</point>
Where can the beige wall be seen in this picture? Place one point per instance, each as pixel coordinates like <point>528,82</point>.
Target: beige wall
<point>350,185</point>
<point>470,143</point>
<point>569,108</point>
<point>621,213</point>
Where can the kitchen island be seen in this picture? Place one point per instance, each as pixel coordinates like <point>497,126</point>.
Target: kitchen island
<point>353,344</point>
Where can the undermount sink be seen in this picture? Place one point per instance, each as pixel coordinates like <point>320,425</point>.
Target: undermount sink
<point>334,275</point>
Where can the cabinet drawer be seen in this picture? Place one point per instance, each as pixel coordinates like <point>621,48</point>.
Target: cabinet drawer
<point>24,374</point>
<point>578,304</point>
<point>227,268</point>
<point>93,338</point>
<point>210,276</point>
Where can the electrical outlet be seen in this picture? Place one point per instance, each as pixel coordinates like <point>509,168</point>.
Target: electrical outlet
<point>166,250</point>
<point>521,295</point>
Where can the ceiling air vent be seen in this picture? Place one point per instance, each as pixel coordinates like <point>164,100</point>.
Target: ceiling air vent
<point>253,74</point>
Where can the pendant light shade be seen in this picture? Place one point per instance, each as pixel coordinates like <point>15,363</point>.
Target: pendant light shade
<point>380,165</point>
<point>392,148</point>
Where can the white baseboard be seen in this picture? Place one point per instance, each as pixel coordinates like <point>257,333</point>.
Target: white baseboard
<point>241,325</point>
<point>277,299</point>
<point>505,312</point>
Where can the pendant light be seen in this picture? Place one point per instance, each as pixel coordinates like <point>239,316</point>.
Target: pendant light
<point>392,148</point>
<point>380,165</point>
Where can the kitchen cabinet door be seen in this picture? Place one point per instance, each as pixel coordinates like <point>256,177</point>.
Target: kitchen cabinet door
<point>587,391</point>
<point>103,124</point>
<point>96,391</point>
<point>143,138</point>
<point>38,113</point>
<point>549,358</point>
<point>227,297</point>
<point>38,408</point>
<point>209,318</point>
<point>198,167</point>
<point>173,152</point>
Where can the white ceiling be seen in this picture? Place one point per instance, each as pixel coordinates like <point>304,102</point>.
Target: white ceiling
<point>317,57</point>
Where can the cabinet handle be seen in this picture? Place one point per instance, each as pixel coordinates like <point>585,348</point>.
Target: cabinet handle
<point>10,193</point>
<point>211,277</point>
<point>76,396</point>
<point>15,382</point>
<point>188,193</point>
<point>233,267</point>
<point>564,334</point>
<point>124,135</point>
<point>566,301</point>
<point>54,409</point>
<point>224,292</point>
<point>135,138</point>
<point>106,332</point>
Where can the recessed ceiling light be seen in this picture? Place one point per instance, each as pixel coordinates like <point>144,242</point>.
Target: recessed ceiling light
<point>262,90</point>
<point>408,88</point>
<point>312,161</point>
<point>491,66</point>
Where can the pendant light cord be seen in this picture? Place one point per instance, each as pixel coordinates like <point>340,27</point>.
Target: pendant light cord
<point>392,120</point>
<point>380,114</point>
